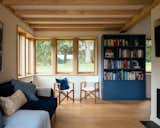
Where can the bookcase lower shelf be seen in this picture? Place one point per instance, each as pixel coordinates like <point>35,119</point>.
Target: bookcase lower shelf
<point>123,90</point>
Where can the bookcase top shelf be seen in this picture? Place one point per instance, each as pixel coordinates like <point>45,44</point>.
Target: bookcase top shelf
<point>124,47</point>
<point>108,70</point>
<point>122,58</point>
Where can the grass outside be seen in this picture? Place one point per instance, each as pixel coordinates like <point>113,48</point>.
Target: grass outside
<point>148,66</point>
<point>67,67</point>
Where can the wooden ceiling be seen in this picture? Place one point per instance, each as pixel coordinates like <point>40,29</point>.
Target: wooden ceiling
<point>81,15</point>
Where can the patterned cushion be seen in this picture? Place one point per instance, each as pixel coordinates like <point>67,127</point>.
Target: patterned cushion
<point>28,89</point>
<point>12,103</point>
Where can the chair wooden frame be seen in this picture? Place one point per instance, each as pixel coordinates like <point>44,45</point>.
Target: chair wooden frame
<point>89,92</point>
<point>65,93</point>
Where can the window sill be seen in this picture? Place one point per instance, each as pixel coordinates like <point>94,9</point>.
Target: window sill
<point>65,74</point>
<point>20,77</point>
<point>148,73</point>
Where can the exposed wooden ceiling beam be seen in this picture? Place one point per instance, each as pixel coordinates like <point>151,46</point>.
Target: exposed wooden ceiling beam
<point>75,25</point>
<point>76,2</point>
<point>75,19</point>
<point>78,29</point>
<point>145,11</point>
<point>76,12</point>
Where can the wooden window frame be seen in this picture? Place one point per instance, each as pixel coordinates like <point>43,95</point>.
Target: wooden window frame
<point>65,73</point>
<point>95,57</point>
<point>35,59</point>
<point>21,31</point>
<point>75,56</point>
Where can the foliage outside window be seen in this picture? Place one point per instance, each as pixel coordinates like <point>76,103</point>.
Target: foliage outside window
<point>64,56</point>
<point>43,56</point>
<point>86,56</point>
<point>148,55</point>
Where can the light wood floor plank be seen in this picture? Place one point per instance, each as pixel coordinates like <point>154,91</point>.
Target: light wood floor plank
<point>104,114</point>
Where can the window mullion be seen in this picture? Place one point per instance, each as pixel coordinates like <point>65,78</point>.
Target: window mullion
<point>75,56</point>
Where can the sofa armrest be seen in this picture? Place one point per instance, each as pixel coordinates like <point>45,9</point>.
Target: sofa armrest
<point>44,92</point>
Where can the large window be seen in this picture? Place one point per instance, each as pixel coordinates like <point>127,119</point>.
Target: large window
<point>64,56</point>
<point>148,55</point>
<point>86,56</point>
<point>22,55</point>
<point>43,56</point>
<point>25,55</point>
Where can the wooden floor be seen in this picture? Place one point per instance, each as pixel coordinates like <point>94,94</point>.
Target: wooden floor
<point>108,114</point>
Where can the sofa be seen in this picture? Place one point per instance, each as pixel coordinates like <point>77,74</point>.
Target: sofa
<point>33,114</point>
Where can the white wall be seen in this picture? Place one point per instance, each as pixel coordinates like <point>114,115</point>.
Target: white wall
<point>155,80</point>
<point>9,43</point>
<point>143,27</point>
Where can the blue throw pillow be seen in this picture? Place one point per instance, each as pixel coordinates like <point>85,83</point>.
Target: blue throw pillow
<point>64,83</point>
<point>28,88</point>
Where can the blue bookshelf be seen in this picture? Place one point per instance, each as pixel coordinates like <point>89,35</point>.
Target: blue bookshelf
<point>123,67</point>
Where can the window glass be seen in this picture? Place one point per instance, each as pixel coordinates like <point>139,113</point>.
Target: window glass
<point>43,56</point>
<point>64,56</point>
<point>22,64</point>
<point>148,55</point>
<point>86,55</point>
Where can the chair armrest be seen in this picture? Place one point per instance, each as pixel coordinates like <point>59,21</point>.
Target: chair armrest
<point>44,92</point>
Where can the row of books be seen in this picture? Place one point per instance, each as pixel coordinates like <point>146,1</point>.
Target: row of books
<point>126,53</point>
<point>123,75</point>
<point>130,53</point>
<point>121,64</point>
<point>120,42</point>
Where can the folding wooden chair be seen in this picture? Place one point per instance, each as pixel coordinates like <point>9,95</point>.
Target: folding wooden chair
<point>68,93</point>
<point>89,90</point>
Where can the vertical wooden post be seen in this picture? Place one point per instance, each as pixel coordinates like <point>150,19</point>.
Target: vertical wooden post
<point>18,53</point>
<point>75,56</point>
<point>54,56</point>
<point>34,55</point>
<point>95,55</point>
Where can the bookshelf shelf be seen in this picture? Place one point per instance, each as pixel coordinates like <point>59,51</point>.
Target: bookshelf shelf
<point>123,66</point>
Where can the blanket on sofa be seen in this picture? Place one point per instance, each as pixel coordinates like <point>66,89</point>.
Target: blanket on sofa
<point>28,119</point>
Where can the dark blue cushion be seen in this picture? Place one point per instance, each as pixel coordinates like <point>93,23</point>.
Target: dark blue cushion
<point>64,83</point>
<point>48,104</point>
<point>6,89</point>
<point>28,88</point>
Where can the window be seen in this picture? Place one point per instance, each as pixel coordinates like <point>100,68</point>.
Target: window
<point>43,56</point>
<point>64,56</point>
<point>25,55</point>
<point>86,56</point>
<point>22,53</point>
<point>148,55</point>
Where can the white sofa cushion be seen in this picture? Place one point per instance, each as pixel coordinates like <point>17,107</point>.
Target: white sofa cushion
<point>28,119</point>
